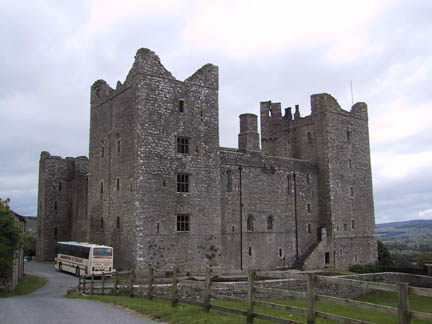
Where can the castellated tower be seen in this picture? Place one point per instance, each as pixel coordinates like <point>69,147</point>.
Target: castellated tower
<point>154,162</point>
<point>338,141</point>
<point>62,202</point>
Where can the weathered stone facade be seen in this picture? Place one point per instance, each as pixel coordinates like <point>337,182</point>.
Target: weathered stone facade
<point>162,191</point>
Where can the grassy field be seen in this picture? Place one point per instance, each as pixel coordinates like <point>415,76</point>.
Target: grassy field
<point>161,309</point>
<point>27,285</point>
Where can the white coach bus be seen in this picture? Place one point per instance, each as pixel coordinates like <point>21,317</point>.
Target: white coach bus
<point>84,258</point>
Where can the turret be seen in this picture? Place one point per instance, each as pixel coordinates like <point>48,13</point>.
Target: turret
<point>248,139</point>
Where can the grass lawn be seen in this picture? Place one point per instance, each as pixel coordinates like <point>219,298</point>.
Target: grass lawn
<point>27,285</point>
<point>161,310</point>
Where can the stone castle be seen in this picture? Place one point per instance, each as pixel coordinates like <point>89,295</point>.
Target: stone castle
<point>158,187</point>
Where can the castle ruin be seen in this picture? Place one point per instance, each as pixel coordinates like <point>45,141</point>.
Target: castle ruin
<point>158,187</point>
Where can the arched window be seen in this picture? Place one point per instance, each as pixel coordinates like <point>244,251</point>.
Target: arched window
<point>270,222</point>
<point>250,222</point>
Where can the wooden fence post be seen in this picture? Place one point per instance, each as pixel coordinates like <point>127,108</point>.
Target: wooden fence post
<point>207,290</point>
<point>103,283</point>
<point>174,299</point>
<point>84,284</point>
<point>116,283</point>
<point>79,284</point>
<point>150,284</point>
<point>403,304</point>
<point>131,282</point>
<point>92,284</point>
<point>250,296</point>
<point>311,281</point>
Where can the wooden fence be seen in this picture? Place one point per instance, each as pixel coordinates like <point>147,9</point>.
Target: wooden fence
<point>155,279</point>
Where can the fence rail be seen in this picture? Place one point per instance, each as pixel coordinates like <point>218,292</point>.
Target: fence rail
<point>170,280</point>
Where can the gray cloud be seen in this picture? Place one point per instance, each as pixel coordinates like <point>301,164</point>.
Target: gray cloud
<point>51,54</point>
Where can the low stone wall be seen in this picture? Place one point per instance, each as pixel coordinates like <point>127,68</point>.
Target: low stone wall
<point>394,278</point>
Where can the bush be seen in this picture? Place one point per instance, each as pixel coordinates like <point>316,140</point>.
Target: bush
<point>365,268</point>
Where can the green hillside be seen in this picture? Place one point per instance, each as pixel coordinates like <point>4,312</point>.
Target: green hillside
<point>406,240</point>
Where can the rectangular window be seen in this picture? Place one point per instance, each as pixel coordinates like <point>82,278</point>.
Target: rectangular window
<point>118,184</point>
<point>182,182</point>
<point>348,135</point>
<point>309,137</point>
<point>102,151</point>
<point>182,223</point>
<point>228,181</point>
<point>181,106</point>
<point>309,228</point>
<point>182,145</point>
<point>308,208</point>
<point>118,147</point>
<point>250,251</point>
<point>101,188</point>
<point>327,258</point>
<point>60,186</point>
<point>345,227</point>
<point>351,191</point>
<point>353,224</point>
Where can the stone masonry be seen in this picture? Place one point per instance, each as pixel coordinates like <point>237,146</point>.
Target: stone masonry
<point>162,191</point>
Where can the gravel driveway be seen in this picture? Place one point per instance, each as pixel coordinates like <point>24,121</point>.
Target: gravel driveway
<point>46,305</point>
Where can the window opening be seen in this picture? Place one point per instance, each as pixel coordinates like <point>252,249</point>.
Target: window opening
<point>157,227</point>
<point>327,258</point>
<point>130,185</point>
<point>118,221</point>
<point>349,163</point>
<point>60,186</point>
<point>351,191</point>
<point>308,208</point>
<point>55,205</point>
<point>182,182</point>
<point>101,187</point>
<point>353,224</point>
<point>280,253</point>
<point>55,233</point>
<point>309,137</point>
<point>118,147</point>
<point>250,222</point>
<point>233,228</point>
<point>181,105</point>
<point>118,184</point>
<point>228,181</point>
<point>101,223</point>
<point>102,151</point>
<point>345,227</point>
<point>348,135</point>
<point>182,223</point>
<point>309,228</point>
<point>307,178</point>
<point>250,251</point>
<point>182,145</point>
<point>270,222</point>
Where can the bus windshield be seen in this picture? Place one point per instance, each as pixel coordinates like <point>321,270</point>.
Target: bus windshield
<point>102,252</point>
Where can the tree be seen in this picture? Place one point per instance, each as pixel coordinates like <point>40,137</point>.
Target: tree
<point>10,238</point>
<point>384,257</point>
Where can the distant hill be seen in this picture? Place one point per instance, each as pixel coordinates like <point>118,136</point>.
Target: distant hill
<point>406,237</point>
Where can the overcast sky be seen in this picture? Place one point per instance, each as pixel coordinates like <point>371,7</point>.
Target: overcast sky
<point>284,51</point>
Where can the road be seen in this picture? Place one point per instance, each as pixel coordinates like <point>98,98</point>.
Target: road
<point>46,305</point>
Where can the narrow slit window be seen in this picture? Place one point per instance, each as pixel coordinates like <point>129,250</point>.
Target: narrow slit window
<point>118,147</point>
<point>249,223</point>
<point>118,184</point>
<point>118,221</point>
<point>181,105</point>
<point>250,251</point>
<point>351,191</point>
<point>60,186</point>
<point>102,223</point>
<point>288,184</point>
<point>102,151</point>
<point>228,181</point>
<point>348,135</point>
<point>270,223</point>
<point>353,224</point>
<point>308,208</point>
<point>309,230</point>
<point>55,233</point>
<point>309,137</point>
<point>157,227</point>
<point>55,205</point>
<point>101,187</point>
<point>308,178</point>
<point>280,253</point>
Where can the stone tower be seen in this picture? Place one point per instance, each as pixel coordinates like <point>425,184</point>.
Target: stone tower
<point>154,156</point>
<point>62,202</point>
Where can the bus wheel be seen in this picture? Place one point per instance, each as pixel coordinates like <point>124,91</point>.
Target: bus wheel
<point>77,272</point>
<point>60,267</point>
